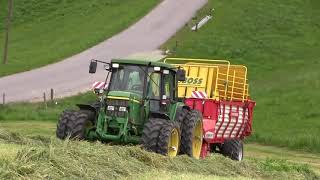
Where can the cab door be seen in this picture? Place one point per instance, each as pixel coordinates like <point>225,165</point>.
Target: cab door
<point>168,91</point>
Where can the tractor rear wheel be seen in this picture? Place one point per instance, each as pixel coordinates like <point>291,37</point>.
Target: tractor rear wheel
<point>192,134</point>
<point>150,134</point>
<point>75,124</point>
<point>169,139</point>
<point>233,149</point>
<point>182,115</point>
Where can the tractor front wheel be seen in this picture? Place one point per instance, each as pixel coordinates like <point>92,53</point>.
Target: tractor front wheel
<point>150,134</point>
<point>233,149</point>
<point>161,136</point>
<point>63,131</point>
<point>75,124</point>
<point>192,134</point>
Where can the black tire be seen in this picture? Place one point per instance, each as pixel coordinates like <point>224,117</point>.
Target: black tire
<point>74,123</point>
<point>182,115</point>
<point>233,149</point>
<point>165,136</point>
<point>150,135</point>
<point>63,131</point>
<point>84,120</point>
<point>188,127</point>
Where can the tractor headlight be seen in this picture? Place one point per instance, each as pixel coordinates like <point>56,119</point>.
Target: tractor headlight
<point>114,65</point>
<point>110,108</point>
<point>122,109</point>
<point>156,68</point>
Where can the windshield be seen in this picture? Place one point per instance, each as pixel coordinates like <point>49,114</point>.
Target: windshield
<point>128,78</point>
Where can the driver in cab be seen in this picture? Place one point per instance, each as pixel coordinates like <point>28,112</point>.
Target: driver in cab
<point>136,79</point>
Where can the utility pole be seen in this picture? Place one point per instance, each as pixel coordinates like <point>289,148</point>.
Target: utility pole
<point>7,29</point>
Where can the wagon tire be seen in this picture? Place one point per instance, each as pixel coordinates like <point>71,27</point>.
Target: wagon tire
<point>233,149</point>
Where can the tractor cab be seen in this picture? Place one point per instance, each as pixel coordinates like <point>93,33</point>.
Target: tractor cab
<point>150,83</point>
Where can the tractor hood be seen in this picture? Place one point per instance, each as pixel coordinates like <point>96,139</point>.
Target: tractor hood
<point>125,96</point>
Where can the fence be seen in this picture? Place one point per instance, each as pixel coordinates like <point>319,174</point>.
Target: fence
<point>44,95</point>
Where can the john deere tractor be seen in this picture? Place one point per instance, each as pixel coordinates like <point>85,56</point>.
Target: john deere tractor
<point>139,106</point>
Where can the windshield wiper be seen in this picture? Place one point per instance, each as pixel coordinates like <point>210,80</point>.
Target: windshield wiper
<point>149,76</point>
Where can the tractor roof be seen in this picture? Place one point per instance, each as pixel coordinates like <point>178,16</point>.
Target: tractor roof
<point>143,62</point>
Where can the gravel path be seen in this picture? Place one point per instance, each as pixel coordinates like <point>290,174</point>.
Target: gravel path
<point>70,76</point>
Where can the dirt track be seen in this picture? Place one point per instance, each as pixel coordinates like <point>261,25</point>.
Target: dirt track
<point>70,76</point>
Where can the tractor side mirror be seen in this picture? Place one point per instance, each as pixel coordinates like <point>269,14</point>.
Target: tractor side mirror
<point>181,75</point>
<point>93,67</point>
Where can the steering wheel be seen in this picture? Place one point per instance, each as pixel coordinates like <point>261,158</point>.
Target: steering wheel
<point>137,87</point>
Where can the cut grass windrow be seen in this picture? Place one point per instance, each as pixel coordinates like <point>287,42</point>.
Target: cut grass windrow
<point>55,159</point>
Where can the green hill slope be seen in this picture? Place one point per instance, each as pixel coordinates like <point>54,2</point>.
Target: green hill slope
<point>279,42</point>
<point>46,31</point>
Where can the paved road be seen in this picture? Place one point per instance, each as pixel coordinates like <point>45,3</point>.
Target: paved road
<point>70,76</point>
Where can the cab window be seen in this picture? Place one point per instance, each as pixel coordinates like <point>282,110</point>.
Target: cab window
<point>169,85</point>
<point>153,91</point>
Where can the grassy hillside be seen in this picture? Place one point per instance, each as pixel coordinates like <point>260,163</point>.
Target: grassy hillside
<point>279,42</point>
<point>45,158</point>
<point>46,31</point>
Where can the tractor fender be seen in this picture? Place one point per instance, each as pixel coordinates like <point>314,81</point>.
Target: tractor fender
<point>161,115</point>
<point>95,108</point>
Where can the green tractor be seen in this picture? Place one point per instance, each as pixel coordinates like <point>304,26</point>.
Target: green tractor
<point>139,106</point>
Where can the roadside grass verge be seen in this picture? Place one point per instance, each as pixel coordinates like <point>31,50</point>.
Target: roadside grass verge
<point>278,41</point>
<point>54,159</point>
<point>47,31</point>
<point>30,128</point>
<point>38,111</point>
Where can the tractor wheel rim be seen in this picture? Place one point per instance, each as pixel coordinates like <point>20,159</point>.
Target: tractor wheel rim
<point>174,142</point>
<point>197,140</point>
<point>240,155</point>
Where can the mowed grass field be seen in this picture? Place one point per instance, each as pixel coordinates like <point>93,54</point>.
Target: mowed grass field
<point>29,150</point>
<point>279,42</point>
<point>46,31</point>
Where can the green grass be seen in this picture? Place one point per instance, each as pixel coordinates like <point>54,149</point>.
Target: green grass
<point>258,151</point>
<point>30,128</point>
<point>24,145</point>
<point>38,111</point>
<point>49,158</point>
<point>279,42</point>
<point>46,31</point>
